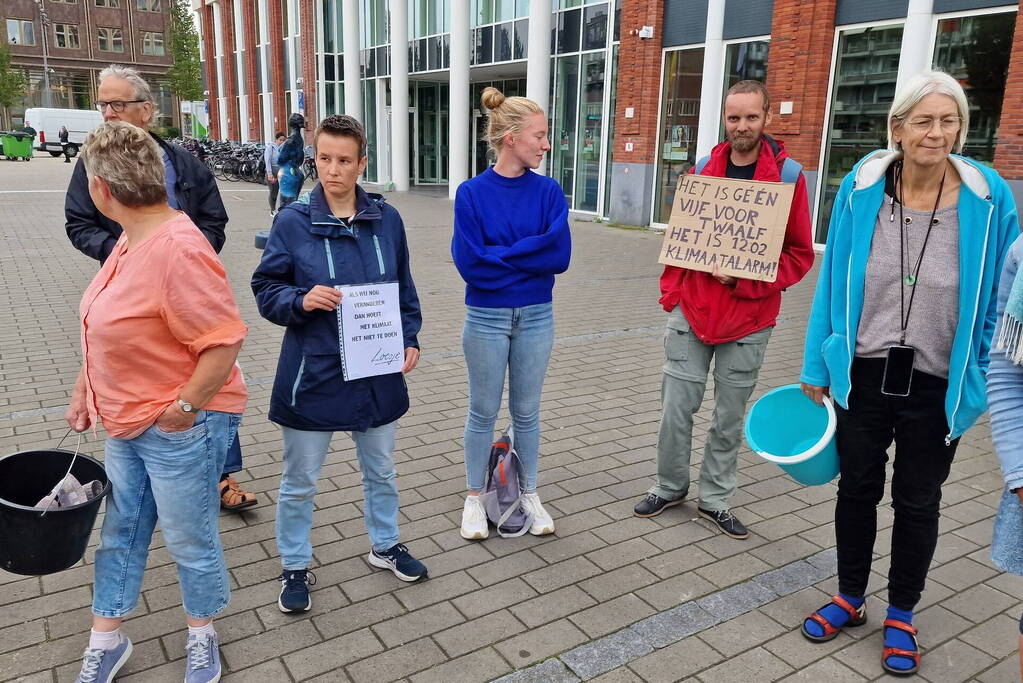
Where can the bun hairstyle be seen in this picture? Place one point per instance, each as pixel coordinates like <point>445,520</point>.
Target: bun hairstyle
<point>505,115</point>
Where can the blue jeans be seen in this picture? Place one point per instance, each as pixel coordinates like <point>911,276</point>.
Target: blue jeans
<point>233,462</point>
<point>304,453</point>
<point>170,477</point>
<point>518,340</point>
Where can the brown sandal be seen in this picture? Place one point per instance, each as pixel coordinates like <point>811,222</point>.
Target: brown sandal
<point>232,497</point>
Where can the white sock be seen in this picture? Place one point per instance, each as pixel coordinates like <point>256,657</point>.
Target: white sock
<point>206,630</point>
<point>104,640</point>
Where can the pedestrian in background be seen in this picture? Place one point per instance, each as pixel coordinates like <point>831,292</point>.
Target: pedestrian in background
<point>1005,400</point>
<point>899,334</point>
<point>123,95</point>
<point>63,135</point>
<point>511,238</point>
<point>160,335</point>
<point>338,234</point>
<point>711,315</point>
<point>270,162</point>
<point>290,159</point>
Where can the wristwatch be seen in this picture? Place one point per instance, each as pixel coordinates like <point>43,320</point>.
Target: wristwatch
<point>186,407</point>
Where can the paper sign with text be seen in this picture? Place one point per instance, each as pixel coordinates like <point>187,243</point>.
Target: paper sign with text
<point>369,327</point>
<point>736,225</point>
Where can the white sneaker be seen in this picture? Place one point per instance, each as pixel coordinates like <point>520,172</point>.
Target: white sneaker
<point>474,519</point>
<point>542,522</point>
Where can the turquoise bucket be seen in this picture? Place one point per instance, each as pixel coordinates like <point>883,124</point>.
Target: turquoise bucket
<point>787,428</point>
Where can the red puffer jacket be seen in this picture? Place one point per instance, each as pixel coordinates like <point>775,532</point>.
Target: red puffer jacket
<point>718,313</point>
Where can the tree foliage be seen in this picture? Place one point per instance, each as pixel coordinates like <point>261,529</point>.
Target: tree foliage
<point>13,81</point>
<point>185,74</point>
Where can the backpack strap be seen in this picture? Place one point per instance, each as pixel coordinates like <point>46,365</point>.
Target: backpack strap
<point>790,170</point>
<point>512,509</point>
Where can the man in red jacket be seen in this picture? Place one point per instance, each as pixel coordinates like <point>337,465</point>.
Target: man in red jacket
<point>725,318</point>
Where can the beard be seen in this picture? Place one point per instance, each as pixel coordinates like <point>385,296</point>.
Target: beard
<point>743,142</point>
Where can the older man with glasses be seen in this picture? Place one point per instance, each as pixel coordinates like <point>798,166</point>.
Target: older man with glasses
<point>123,95</point>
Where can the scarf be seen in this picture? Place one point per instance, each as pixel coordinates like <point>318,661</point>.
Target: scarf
<point>1010,336</point>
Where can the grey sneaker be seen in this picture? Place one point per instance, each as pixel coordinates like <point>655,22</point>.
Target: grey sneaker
<point>203,663</point>
<point>100,666</point>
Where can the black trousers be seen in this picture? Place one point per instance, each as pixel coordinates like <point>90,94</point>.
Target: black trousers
<point>274,189</point>
<point>918,426</point>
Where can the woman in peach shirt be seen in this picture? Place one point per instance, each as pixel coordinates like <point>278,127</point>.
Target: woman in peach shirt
<point>160,334</point>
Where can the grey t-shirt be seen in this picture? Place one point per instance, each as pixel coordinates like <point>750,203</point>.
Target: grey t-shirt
<point>935,312</point>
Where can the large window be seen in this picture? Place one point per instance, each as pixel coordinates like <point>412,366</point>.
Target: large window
<point>863,87</point>
<point>116,4</point>
<point>578,127</point>
<point>110,39</point>
<point>66,36</point>
<point>680,117</point>
<point>21,32</point>
<point>149,5</point>
<point>152,43</point>
<point>975,50</point>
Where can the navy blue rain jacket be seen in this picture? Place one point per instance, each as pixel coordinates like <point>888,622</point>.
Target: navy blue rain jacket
<point>308,246</point>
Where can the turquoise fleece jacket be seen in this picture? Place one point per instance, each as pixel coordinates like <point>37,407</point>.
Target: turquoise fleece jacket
<point>988,224</point>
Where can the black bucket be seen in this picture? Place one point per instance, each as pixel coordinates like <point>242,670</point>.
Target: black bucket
<point>33,543</point>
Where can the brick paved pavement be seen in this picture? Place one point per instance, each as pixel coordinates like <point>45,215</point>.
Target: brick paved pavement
<point>659,599</point>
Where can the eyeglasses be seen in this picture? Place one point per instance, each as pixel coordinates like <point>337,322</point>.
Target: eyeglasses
<point>924,124</point>
<point>117,105</point>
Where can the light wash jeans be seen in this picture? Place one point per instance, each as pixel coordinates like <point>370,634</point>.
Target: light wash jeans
<point>304,453</point>
<point>170,477</point>
<point>518,340</point>
<point>1007,541</point>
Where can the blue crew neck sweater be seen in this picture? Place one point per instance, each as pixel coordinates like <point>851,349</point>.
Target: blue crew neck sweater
<point>511,238</point>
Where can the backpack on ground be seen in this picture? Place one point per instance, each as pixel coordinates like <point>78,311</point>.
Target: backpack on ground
<point>502,497</point>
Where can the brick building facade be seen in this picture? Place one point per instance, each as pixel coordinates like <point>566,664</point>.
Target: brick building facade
<point>83,37</point>
<point>636,86</point>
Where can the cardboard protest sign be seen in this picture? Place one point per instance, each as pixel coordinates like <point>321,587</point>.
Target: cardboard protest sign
<point>736,225</point>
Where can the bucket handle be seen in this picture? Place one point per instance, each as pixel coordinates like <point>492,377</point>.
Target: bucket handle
<point>62,479</point>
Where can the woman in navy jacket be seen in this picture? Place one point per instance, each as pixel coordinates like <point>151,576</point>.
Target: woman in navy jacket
<point>337,234</point>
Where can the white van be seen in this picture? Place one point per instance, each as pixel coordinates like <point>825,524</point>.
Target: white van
<point>47,123</point>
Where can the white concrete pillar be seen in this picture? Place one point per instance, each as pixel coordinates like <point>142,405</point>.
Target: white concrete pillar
<point>916,40</point>
<point>382,134</point>
<point>353,82</point>
<point>458,97</point>
<point>713,79</point>
<point>399,95</point>
<point>538,59</point>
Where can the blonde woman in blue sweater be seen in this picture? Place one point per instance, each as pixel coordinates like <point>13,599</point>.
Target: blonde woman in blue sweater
<point>511,238</point>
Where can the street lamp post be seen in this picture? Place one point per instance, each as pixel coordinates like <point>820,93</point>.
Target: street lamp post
<point>44,20</point>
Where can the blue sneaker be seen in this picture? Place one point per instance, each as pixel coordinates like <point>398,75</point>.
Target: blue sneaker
<point>100,666</point>
<point>203,659</point>
<point>295,590</point>
<point>398,560</point>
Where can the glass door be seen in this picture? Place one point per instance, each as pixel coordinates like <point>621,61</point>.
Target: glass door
<point>680,118</point>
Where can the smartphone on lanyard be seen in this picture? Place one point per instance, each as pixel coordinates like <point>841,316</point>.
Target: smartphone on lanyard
<point>898,370</point>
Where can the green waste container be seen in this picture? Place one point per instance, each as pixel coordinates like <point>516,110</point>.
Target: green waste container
<point>17,145</point>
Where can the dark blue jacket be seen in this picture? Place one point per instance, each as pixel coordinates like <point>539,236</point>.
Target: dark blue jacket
<point>308,246</point>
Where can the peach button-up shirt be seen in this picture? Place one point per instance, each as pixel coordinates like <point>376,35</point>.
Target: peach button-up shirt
<point>146,317</point>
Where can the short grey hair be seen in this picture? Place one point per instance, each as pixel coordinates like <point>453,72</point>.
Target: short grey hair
<point>138,84</point>
<point>920,86</point>
<point>129,160</point>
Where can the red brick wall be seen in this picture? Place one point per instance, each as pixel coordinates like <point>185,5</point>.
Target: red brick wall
<point>1009,152</point>
<point>248,43</point>
<point>307,26</point>
<point>799,64</point>
<point>639,85</point>
<point>229,68</point>
<point>276,58</point>
<point>209,47</point>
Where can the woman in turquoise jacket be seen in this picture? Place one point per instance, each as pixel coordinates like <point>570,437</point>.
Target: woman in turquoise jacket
<point>899,336</point>
<point>1005,396</point>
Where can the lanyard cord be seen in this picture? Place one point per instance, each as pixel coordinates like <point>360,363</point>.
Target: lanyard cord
<point>911,278</point>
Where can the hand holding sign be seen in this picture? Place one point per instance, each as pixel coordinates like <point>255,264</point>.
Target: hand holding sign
<point>321,297</point>
<point>731,228</point>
